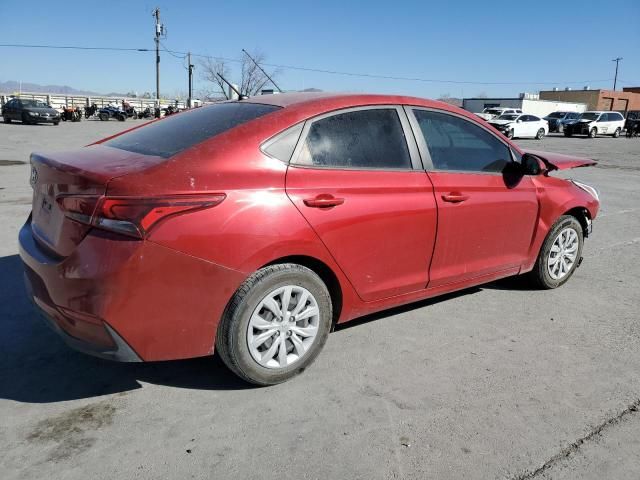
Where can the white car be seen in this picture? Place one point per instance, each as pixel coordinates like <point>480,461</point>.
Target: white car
<point>521,125</point>
<point>494,112</point>
<point>596,123</point>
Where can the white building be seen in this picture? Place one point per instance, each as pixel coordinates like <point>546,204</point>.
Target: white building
<point>527,102</point>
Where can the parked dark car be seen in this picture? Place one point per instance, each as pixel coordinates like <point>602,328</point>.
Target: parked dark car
<point>557,120</point>
<point>29,111</point>
<point>633,116</point>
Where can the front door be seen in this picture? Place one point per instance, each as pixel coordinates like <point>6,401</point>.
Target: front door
<point>358,182</point>
<point>486,215</point>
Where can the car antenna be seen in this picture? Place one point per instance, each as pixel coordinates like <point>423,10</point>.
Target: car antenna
<point>240,96</point>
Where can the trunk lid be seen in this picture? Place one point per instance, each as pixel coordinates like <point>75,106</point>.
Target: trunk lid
<point>558,161</point>
<point>84,173</point>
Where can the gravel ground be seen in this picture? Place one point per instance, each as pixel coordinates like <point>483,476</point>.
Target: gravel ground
<point>492,382</point>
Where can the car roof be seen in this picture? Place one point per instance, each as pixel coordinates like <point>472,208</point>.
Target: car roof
<point>327,101</point>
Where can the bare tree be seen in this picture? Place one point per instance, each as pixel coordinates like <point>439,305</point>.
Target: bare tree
<point>210,68</point>
<point>252,79</point>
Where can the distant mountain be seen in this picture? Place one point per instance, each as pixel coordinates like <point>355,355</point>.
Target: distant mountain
<point>12,86</point>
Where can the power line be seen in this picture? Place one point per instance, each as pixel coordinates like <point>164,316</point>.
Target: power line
<point>75,47</point>
<point>325,71</point>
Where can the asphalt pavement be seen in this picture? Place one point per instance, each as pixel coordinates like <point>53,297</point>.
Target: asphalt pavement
<point>498,381</point>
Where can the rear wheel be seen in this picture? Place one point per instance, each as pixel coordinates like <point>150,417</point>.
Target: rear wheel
<point>560,253</point>
<point>540,134</point>
<point>510,134</point>
<point>104,117</point>
<point>275,325</point>
<point>593,132</point>
<point>616,134</point>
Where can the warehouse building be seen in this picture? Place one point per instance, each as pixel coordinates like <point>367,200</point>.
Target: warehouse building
<point>527,102</point>
<point>598,99</point>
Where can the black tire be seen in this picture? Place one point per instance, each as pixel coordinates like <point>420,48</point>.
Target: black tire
<point>6,119</point>
<point>567,134</point>
<point>104,117</point>
<point>616,134</point>
<point>231,337</point>
<point>121,117</point>
<point>25,119</point>
<point>593,133</point>
<point>510,134</point>
<point>540,275</point>
<point>540,134</point>
<point>56,123</point>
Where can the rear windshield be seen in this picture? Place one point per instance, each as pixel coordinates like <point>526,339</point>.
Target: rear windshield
<point>557,115</point>
<point>179,132</point>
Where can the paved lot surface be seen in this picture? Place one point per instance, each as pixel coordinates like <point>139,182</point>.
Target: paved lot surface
<point>494,382</point>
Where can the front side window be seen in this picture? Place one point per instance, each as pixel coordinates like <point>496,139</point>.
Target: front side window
<point>457,144</point>
<point>371,138</point>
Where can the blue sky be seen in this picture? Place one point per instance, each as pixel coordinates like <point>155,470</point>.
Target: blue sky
<point>472,41</point>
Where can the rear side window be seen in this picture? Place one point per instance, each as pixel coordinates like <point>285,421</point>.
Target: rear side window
<point>359,139</point>
<point>458,144</point>
<point>179,132</point>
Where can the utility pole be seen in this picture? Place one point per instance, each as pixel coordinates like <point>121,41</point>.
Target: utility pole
<point>159,32</point>
<point>615,80</point>
<point>262,70</point>
<point>189,100</point>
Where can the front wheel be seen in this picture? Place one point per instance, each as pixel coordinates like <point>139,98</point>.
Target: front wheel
<point>275,325</point>
<point>540,134</point>
<point>560,253</point>
<point>593,133</point>
<point>616,134</point>
<point>510,134</point>
<point>103,117</point>
<point>567,134</point>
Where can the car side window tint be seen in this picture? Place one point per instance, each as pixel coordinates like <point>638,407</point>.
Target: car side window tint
<point>359,139</point>
<point>458,144</point>
<point>283,145</point>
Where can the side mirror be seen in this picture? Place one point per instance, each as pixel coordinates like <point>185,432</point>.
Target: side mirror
<point>531,165</point>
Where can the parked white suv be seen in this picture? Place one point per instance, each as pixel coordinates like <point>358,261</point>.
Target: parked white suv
<point>494,112</point>
<point>596,123</point>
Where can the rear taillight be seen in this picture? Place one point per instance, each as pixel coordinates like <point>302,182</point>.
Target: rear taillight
<point>131,215</point>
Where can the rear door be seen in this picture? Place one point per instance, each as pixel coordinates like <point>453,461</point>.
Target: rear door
<point>356,177</point>
<point>486,215</point>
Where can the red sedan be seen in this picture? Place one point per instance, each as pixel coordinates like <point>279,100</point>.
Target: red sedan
<point>252,227</point>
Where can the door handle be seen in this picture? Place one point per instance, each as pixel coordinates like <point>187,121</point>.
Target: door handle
<point>455,197</point>
<point>323,201</point>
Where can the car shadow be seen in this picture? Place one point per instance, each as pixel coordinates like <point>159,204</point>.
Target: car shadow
<point>37,367</point>
<point>406,308</point>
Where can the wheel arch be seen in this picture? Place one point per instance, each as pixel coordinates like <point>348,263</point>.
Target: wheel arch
<point>583,216</point>
<point>326,274</point>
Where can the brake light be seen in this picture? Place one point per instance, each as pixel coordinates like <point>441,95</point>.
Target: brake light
<point>130,215</point>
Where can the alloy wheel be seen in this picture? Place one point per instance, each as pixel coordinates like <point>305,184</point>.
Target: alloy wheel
<point>283,327</point>
<point>563,253</point>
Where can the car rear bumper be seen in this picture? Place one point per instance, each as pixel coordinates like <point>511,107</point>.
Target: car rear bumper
<point>128,300</point>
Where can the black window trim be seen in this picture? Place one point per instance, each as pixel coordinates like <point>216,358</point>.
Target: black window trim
<point>424,149</point>
<point>264,146</point>
<point>412,145</point>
